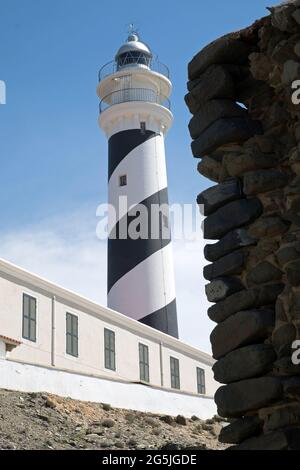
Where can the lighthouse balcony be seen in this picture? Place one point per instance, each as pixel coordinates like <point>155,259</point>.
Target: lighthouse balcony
<point>133,94</point>
<point>113,67</point>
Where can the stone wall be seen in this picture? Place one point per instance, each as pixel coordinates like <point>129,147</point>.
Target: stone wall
<point>246,133</point>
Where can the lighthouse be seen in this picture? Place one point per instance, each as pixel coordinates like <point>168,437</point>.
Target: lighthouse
<point>135,115</point>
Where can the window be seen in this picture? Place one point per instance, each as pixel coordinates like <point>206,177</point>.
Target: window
<point>109,349</point>
<point>134,57</point>
<point>143,128</point>
<point>29,318</point>
<point>201,381</point>
<point>123,180</point>
<point>175,379</point>
<point>144,362</point>
<point>72,335</point>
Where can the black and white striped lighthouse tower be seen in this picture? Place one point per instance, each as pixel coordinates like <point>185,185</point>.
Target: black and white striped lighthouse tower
<point>135,116</point>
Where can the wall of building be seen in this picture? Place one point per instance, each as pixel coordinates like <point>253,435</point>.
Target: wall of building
<point>11,306</point>
<point>27,378</point>
<point>91,347</point>
<point>49,350</point>
<point>246,131</point>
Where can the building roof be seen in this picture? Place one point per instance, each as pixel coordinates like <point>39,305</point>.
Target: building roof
<point>36,283</point>
<point>10,343</point>
<point>133,44</point>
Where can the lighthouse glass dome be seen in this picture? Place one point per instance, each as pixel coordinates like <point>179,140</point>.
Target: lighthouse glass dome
<point>134,75</point>
<point>133,53</point>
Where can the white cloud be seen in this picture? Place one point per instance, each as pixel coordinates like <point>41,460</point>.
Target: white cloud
<point>65,250</point>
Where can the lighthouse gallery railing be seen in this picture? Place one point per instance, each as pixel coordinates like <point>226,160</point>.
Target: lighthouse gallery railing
<point>133,94</point>
<point>112,67</point>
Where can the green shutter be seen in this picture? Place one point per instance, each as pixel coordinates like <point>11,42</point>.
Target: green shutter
<point>32,331</point>
<point>144,362</point>
<point>26,302</point>
<point>201,381</point>
<point>32,308</point>
<point>29,318</point>
<point>109,349</point>
<point>72,334</point>
<point>175,377</point>
<point>25,327</point>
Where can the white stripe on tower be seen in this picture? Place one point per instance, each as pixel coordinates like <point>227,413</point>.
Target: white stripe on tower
<point>141,165</point>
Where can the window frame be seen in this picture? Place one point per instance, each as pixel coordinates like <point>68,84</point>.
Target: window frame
<point>121,183</point>
<point>109,350</point>
<point>175,373</point>
<point>201,386</point>
<point>143,127</point>
<point>144,363</point>
<point>28,317</point>
<point>73,335</point>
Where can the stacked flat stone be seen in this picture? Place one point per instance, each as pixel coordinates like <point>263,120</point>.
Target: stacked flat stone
<point>246,133</point>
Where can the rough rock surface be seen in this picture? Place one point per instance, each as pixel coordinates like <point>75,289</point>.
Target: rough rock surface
<point>223,131</point>
<point>249,326</point>
<point>216,196</point>
<point>247,395</point>
<point>43,421</point>
<point>249,361</point>
<point>232,215</point>
<point>240,429</point>
<point>210,112</point>
<point>216,82</point>
<point>230,242</point>
<point>225,50</point>
<point>246,131</point>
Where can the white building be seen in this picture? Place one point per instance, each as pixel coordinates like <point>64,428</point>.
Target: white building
<point>54,340</point>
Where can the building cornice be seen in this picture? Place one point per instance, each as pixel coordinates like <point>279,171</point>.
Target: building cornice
<point>128,115</point>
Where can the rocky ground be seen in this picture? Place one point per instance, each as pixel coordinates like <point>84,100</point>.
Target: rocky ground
<point>43,421</point>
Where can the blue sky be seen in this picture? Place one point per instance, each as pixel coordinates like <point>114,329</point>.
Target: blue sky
<point>53,155</point>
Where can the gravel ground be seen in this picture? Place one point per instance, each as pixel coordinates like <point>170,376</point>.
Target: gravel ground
<point>43,421</point>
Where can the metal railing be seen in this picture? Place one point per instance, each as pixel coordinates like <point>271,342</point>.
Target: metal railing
<point>111,67</point>
<point>133,94</point>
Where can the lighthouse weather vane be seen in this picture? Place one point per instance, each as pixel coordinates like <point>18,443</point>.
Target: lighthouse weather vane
<point>131,29</point>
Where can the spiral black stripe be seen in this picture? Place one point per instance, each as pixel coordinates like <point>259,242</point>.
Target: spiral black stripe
<point>164,319</point>
<point>125,254</point>
<point>122,143</point>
